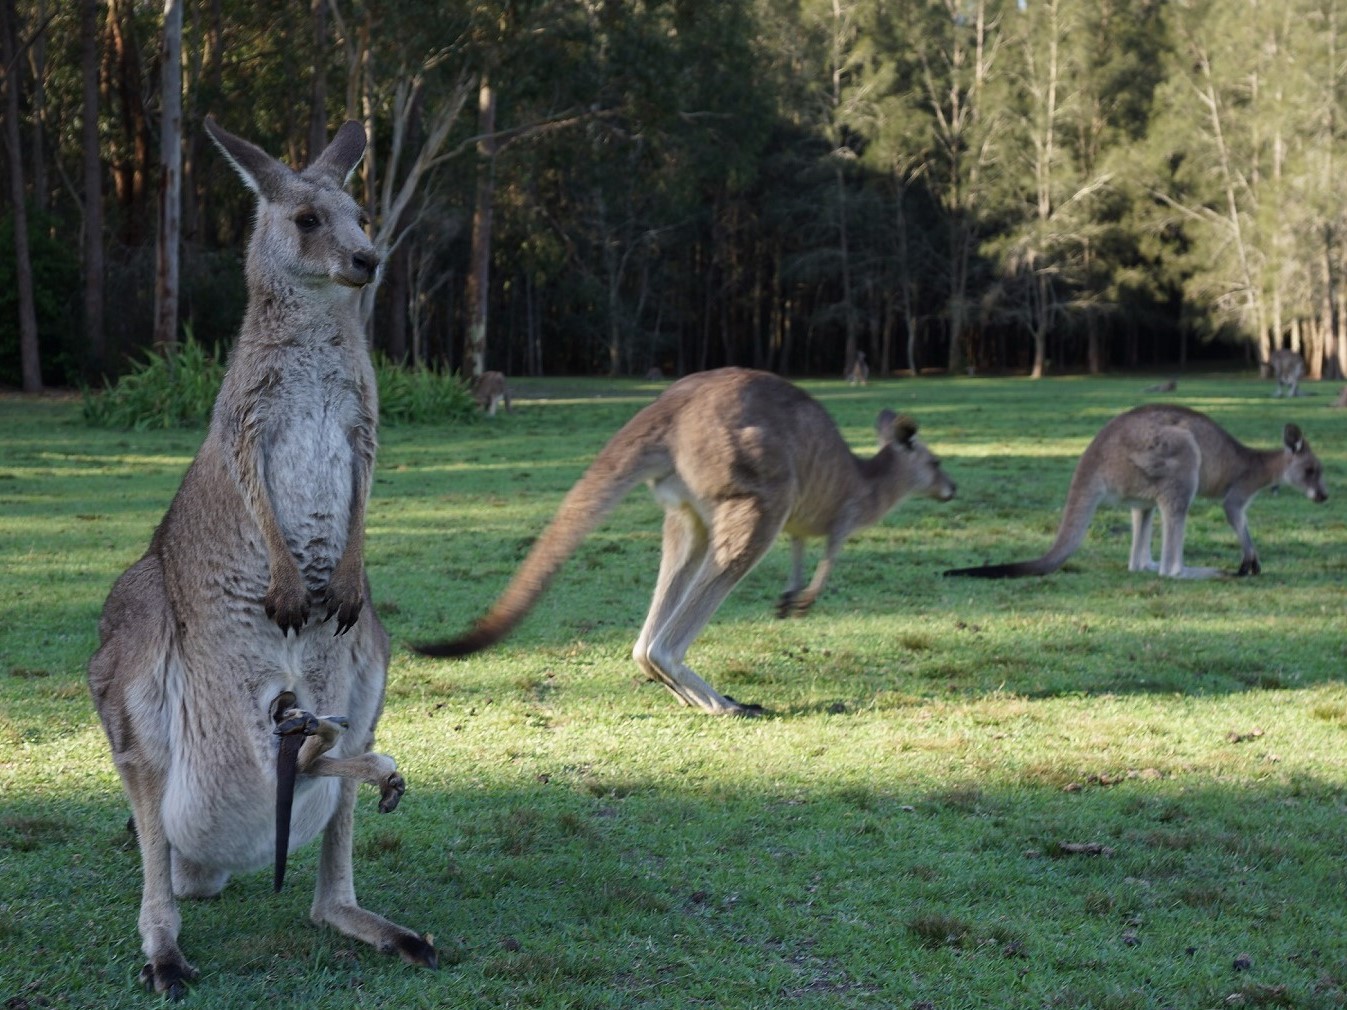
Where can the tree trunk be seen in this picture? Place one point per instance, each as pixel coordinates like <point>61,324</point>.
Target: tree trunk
<point>132,155</point>
<point>1040,314</point>
<point>1094,344</point>
<point>37,62</point>
<point>29,356</point>
<point>318,81</point>
<point>93,194</point>
<point>479,279</point>
<point>844,250</point>
<point>170,184</point>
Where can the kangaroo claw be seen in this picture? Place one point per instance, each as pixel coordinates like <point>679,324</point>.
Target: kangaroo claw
<point>393,788</point>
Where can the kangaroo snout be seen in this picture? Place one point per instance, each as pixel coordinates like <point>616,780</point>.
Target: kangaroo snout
<point>364,265</point>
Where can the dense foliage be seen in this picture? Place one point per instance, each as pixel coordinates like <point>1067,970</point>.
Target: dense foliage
<point>610,186</point>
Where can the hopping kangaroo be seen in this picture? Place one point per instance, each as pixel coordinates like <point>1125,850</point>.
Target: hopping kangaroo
<point>216,653</point>
<point>1288,368</point>
<point>1165,456</point>
<point>736,457</point>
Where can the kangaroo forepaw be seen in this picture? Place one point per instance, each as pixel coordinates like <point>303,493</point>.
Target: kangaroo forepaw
<point>793,603</point>
<point>169,976</point>
<point>345,596</point>
<point>288,606</point>
<point>1250,567</point>
<point>346,614</point>
<point>390,794</point>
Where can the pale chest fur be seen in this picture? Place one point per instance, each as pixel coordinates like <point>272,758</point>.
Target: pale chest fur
<point>316,430</point>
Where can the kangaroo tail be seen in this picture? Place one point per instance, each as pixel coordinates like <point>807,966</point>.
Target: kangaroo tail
<point>1081,501</point>
<point>618,468</point>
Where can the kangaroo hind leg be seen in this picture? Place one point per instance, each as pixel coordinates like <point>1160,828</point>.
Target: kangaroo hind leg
<point>334,901</point>
<point>166,970</point>
<point>1174,521</point>
<point>1141,559</point>
<point>699,567</point>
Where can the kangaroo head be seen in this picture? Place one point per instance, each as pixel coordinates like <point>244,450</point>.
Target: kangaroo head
<point>309,231</point>
<point>919,466</point>
<point>1303,470</point>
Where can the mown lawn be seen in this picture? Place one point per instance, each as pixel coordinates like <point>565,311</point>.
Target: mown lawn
<point>1091,790</point>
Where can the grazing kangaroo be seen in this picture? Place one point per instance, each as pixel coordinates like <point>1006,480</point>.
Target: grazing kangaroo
<point>215,648</point>
<point>1168,386</point>
<point>490,391</point>
<point>1288,368</point>
<point>735,457</point>
<point>1165,456</point>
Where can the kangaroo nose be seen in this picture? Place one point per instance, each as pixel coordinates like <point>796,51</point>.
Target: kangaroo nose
<point>366,261</point>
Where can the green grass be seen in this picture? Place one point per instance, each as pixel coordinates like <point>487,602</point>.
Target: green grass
<point>1092,790</point>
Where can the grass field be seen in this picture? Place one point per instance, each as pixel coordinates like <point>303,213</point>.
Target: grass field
<point>1091,790</point>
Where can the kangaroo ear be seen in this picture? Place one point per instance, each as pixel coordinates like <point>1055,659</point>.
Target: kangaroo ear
<point>260,172</point>
<point>1294,440</point>
<point>893,427</point>
<point>340,157</point>
<point>905,430</point>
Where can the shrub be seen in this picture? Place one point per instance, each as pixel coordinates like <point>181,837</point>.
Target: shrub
<point>172,390</point>
<point>178,390</point>
<point>420,395</point>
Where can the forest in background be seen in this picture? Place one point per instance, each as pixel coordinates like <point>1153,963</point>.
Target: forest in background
<point>599,186</point>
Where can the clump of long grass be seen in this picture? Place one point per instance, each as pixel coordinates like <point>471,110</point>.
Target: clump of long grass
<point>173,389</point>
<point>177,389</point>
<point>419,394</point>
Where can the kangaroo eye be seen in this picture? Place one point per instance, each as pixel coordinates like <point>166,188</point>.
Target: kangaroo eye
<point>364,220</point>
<point>306,220</point>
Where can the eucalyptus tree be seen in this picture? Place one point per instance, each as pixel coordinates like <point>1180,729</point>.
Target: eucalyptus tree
<point>93,188</point>
<point>959,50</point>
<point>168,234</point>
<point>1077,74</point>
<point>29,354</point>
<point>1310,216</point>
<point>1221,147</point>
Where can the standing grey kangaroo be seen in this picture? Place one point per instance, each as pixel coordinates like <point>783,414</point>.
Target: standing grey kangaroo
<point>736,457</point>
<point>1288,368</point>
<point>219,647</point>
<point>1164,456</point>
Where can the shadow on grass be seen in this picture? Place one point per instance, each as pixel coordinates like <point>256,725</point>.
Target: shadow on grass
<point>600,887</point>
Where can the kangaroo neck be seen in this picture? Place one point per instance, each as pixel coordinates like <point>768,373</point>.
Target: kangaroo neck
<point>881,481</point>
<point>1263,468</point>
<point>285,314</point>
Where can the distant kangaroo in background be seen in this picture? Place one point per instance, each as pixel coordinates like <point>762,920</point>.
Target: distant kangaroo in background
<point>490,390</point>
<point>1165,456</point>
<point>1288,368</point>
<point>736,457</point>
<point>215,650</point>
<point>859,372</point>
